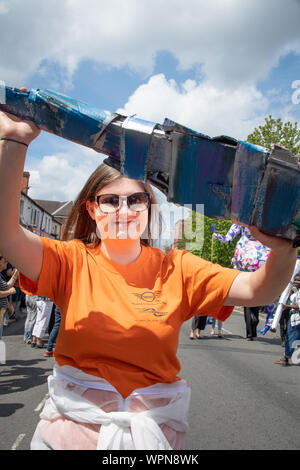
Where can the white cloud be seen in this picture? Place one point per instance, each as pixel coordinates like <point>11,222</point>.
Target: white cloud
<point>61,176</point>
<point>235,42</point>
<point>200,106</point>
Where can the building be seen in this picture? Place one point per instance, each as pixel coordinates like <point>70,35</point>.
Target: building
<point>36,219</point>
<point>59,210</point>
<point>45,218</point>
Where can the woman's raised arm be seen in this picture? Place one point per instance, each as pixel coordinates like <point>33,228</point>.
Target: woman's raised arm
<point>22,248</point>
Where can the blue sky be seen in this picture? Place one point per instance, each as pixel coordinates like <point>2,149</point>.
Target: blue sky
<point>219,67</point>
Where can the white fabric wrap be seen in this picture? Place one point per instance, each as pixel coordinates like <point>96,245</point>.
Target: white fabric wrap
<point>121,429</point>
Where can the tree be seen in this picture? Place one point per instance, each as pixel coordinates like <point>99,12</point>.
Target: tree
<point>208,248</point>
<point>275,131</point>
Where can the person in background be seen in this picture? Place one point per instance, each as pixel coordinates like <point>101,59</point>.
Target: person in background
<point>44,307</point>
<point>6,289</point>
<point>213,326</point>
<point>31,308</point>
<point>53,334</point>
<point>198,324</point>
<point>292,339</point>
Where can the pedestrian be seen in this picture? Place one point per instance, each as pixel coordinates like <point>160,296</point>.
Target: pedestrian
<point>44,307</point>
<point>198,324</point>
<point>292,338</point>
<point>115,383</point>
<point>31,314</point>
<point>213,327</point>
<point>6,290</point>
<point>283,324</point>
<point>53,334</point>
<point>16,302</point>
<point>9,315</point>
<point>16,298</point>
<point>251,315</point>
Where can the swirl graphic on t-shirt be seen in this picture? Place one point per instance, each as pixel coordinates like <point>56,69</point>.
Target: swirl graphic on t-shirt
<point>153,311</point>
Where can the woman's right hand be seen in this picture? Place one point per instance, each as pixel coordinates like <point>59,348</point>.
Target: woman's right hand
<point>16,128</point>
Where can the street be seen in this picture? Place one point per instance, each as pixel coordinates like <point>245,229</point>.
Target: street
<point>240,399</point>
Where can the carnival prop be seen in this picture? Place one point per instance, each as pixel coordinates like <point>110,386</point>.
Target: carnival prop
<point>249,255</point>
<point>233,179</point>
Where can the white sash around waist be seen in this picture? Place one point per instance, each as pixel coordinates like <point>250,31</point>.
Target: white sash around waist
<point>119,429</point>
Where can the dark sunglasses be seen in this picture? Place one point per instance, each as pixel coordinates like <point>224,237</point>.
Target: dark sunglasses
<point>110,203</point>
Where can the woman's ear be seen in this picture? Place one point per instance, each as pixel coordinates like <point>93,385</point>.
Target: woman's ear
<point>90,207</point>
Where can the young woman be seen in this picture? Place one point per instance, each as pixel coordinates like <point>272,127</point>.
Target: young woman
<point>115,383</point>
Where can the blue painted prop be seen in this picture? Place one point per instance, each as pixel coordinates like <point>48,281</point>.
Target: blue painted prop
<point>233,179</point>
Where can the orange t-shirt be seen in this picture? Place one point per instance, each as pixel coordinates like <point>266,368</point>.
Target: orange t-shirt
<point>122,322</point>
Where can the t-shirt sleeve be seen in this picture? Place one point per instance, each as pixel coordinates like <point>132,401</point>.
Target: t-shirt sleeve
<point>56,271</point>
<point>206,286</point>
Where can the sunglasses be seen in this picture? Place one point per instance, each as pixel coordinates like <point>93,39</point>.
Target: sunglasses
<point>111,203</point>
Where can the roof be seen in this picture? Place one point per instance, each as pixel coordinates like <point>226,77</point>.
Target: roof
<point>56,208</point>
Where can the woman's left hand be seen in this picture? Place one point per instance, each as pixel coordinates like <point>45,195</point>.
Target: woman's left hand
<point>276,244</point>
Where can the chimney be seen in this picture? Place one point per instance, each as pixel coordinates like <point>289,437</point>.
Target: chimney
<point>25,182</point>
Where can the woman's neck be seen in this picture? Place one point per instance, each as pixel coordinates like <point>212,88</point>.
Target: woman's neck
<point>122,251</point>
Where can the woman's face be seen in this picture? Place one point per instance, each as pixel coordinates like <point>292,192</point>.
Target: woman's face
<point>124,223</point>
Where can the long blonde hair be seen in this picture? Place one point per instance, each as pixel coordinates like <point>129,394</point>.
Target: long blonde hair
<point>80,225</point>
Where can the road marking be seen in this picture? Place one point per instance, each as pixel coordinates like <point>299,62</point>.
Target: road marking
<point>227,331</point>
<point>21,436</point>
<point>18,441</point>
<point>41,404</point>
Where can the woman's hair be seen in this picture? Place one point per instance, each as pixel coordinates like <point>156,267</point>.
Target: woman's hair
<point>81,226</point>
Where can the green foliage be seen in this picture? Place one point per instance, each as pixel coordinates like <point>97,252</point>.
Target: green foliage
<point>275,131</point>
<point>209,248</point>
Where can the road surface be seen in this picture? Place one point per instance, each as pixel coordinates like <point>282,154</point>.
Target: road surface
<point>240,399</point>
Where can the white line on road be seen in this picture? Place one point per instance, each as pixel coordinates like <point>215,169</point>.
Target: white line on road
<point>21,436</point>
<point>227,331</point>
<point>41,404</point>
<point>18,441</point>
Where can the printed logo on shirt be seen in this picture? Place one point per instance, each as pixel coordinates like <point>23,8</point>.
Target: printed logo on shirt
<point>149,313</point>
<point>148,296</point>
<point>153,311</point>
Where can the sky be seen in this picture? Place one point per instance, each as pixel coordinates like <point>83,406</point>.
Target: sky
<point>218,67</point>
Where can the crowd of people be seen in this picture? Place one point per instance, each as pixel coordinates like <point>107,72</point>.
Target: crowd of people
<point>42,316</point>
